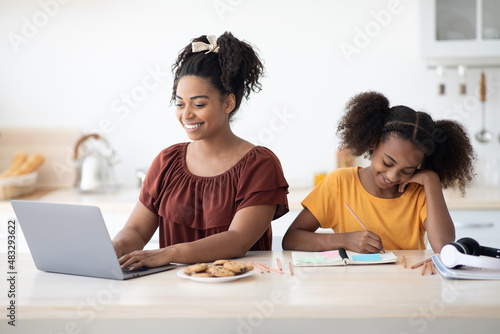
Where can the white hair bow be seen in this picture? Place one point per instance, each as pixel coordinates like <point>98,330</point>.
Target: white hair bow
<point>200,46</point>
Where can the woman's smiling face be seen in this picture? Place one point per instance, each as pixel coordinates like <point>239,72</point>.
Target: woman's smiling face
<point>200,108</point>
<point>394,161</point>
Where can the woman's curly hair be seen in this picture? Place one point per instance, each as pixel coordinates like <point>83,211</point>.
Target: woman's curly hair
<point>369,119</point>
<point>235,68</point>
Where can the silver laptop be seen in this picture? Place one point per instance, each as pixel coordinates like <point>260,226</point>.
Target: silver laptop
<point>72,239</point>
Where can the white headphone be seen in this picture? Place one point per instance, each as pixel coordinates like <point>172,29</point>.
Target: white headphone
<point>466,252</point>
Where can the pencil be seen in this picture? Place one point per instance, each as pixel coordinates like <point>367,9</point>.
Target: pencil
<point>260,266</point>
<point>279,264</point>
<point>404,261</point>
<point>431,267</point>
<point>423,269</point>
<point>356,217</point>
<point>270,268</point>
<point>359,220</point>
<point>291,268</point>
<point>256,268</point>
<point>266,267</point>
<point>416,265</point>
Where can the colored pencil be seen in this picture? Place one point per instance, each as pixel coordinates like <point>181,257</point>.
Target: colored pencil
<point>260,266</point>
<point>279,264</point>
<point>359,220</point>
<point>356,217</point>
<point>423,269</point>
<point>271,268</point>
<point>256,268</point>
<point>291,267</point>
<point>404,261</point>
<point>431,267</point>
<point>416,265</point>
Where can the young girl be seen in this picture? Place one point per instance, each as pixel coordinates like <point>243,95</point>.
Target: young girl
<point>398,197</point>
<point>214,197</point>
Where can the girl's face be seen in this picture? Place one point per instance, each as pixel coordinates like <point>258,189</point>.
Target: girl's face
<point>394,161</point>
<point>200,109</point>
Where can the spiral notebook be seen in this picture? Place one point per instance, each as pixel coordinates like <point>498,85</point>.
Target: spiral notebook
<point>340,257</point>
<point>465,272</point>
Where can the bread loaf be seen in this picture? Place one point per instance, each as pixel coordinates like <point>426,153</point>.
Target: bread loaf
<point>31,164</point>
<point>17,162</point>
<point>26,166</point>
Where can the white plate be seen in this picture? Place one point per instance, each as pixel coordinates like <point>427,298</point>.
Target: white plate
<point>181,273</point>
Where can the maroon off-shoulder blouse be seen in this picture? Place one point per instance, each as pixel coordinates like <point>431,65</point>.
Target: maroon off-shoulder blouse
<point>192,207</point>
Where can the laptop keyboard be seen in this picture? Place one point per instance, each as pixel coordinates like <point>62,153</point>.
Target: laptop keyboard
<point>127,270</point>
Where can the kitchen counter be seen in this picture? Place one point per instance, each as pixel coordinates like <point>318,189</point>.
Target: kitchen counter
<point>476,198</point>
<point>384,298</point>
<point>121,200</point>
<point>125,198</point>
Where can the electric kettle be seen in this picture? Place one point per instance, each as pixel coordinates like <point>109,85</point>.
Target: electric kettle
<point>95,160</point>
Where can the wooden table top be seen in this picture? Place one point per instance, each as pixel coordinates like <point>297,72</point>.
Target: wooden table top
<point>386,291</point>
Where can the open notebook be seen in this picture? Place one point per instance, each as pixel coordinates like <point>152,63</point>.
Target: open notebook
<point>339,258</point>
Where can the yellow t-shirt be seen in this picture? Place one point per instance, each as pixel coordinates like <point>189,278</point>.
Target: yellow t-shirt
<point>398,221</point>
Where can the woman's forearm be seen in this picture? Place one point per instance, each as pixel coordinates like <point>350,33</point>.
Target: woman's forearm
<point>224,245</point>
<point>128,240</point>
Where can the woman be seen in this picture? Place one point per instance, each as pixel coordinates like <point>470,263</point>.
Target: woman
<point>214,197</point>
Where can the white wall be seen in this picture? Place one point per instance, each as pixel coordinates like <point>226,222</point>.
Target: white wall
<point>75,68</point>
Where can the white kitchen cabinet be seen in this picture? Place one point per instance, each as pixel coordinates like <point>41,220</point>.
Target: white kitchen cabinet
<point>463,30</point>
<point>481,225</point>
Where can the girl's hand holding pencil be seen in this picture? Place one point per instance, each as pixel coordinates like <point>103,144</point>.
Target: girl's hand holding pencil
<point>366,241</point>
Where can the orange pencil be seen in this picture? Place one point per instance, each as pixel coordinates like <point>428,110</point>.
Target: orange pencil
<point>266,267</point>
<point>359,220</point>
<point>260,266</point>
<point>356,217</point>
<point>404,261</point>
<point>270,268</point>
<point>416,265</point>
<point>291,267</point>
<point>279,264</point>
<point>431,267</point>
<point>256,268</point>
<point>423,269</point>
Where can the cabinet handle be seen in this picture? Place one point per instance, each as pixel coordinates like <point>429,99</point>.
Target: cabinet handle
<point>473,225</point>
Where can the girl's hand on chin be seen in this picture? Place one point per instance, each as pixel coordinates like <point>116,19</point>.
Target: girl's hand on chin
<point>422,177</point>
